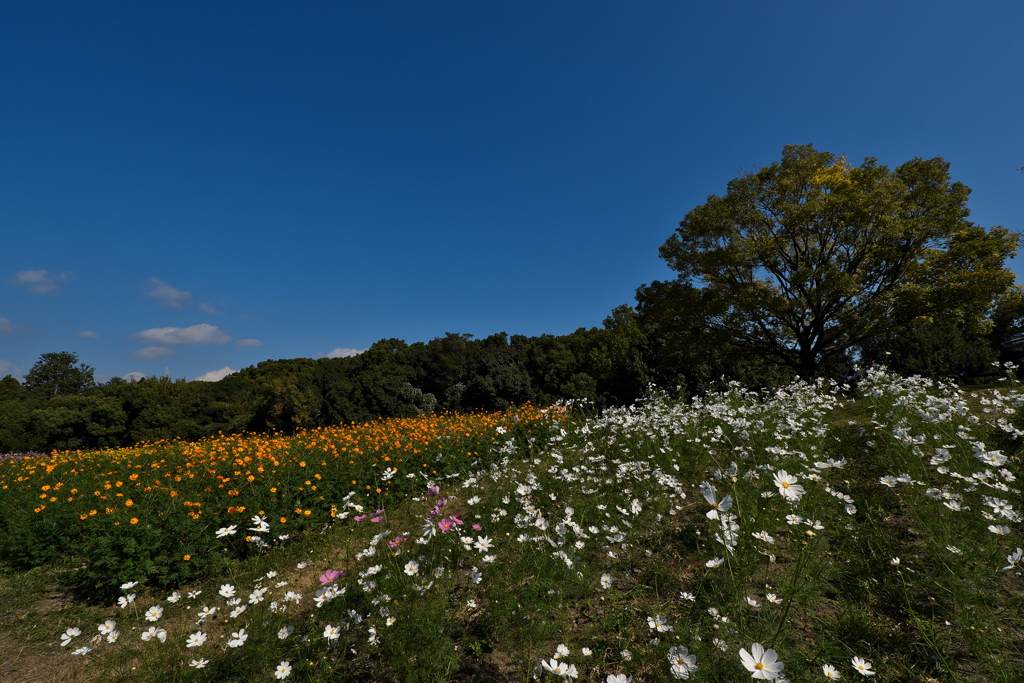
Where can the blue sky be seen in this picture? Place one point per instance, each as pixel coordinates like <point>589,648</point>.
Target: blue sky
<point>193,186</point>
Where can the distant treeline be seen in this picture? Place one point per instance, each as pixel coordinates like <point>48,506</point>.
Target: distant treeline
<point>59,406</point>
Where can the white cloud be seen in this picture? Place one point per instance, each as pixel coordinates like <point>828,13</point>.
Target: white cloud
<point>195,334</point>
<point>172,297</point>
<point>207,308</point>
<point>134,376</point>
<point>40,281</point>
<point>248,342</point>
<point>342,353</point>
<point>215,375</point>
<point>152,353</point>
<point>87,334</point>
<point>8,327</point>
<point>8,368</point>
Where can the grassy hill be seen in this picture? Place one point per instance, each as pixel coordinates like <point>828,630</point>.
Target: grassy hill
<point>665,541</point>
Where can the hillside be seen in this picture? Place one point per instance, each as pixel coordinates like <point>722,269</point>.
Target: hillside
<point>663,541</point>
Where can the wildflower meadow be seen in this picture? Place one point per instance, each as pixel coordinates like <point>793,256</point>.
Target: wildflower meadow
<point>807,533</point>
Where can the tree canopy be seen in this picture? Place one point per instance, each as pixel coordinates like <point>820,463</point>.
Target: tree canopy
<point>59,374</point>
<point>806,258</point>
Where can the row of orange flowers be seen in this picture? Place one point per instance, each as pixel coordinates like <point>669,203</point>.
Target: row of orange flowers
<point>215,475</point>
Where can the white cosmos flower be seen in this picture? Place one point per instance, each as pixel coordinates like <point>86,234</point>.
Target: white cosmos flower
<point>238,638</point>
<point>716,562</point>
<point>862,667</point>
<point>788,488</point>
<point>154,632</point>
<point>69,634</point>
<point>154,613</point>
<point>560,668</point>
<point>658,623</point>
<point>679,657</point>
<point>195,640</point>
<point>227,590</point>
<point>412,567</point>
<point>1013,558</point>
<point>711,496</point>
<point>282,671</point>
<point>761,663</point>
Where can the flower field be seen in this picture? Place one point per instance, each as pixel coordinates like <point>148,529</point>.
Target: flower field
<point>797,535</point>
<point>149,511</point>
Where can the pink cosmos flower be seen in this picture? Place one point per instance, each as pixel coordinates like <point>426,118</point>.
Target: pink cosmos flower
<point>445,525</point>
<point>393,543</point>
<point>455,518</point>
<point>359,518</point>
<point>477,527</point>
<point>433,491</point>
<point>329,576</point>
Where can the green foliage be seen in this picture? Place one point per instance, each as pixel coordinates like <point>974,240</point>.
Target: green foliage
<point>16,426</point>
<point>932,348</point>
<point>75,422</point>
<point>687,354</point>
<point>151,553</point>
<point>809,257</point>
<point>59,374</point>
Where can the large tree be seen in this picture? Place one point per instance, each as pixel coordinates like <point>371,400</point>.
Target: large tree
<point>60,374</point>
<point>804,259</point>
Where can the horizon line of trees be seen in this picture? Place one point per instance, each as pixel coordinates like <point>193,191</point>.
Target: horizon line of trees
<point>59,406</point>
